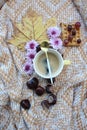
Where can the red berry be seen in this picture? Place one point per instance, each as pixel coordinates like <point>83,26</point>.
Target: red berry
<point>65,42</point>
<point>77,25</point>
<point>70,37</point>
<point>73,32</point>
<point>69,28</point>
<point>78,41</point>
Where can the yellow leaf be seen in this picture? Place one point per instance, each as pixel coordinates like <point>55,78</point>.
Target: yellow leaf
<point>50,22</point>
<point>31,28</point>
<point>18,39</point>
<point>42,34</point>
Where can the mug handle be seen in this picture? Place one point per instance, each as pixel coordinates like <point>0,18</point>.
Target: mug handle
<point>67,62</point>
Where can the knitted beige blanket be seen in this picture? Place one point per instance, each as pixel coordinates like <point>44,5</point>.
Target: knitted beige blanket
<point>70,111</point>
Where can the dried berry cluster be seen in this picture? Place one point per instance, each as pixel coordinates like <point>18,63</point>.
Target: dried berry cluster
<point>72,33</point>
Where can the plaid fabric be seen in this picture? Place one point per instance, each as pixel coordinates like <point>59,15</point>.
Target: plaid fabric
<point>70,111</point>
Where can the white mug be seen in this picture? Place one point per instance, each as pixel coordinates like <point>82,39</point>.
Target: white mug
<point>56,63</point>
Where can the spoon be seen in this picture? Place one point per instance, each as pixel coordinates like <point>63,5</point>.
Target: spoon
<point>48,63</point>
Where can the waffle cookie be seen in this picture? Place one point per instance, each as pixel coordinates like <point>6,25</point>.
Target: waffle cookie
<point>71,34</point>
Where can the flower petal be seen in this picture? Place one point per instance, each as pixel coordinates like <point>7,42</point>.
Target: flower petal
<point>56,43</point>
<point>31,45</point>
<point>31,54</point>
<point>53,32</point>
<point>28,67</point>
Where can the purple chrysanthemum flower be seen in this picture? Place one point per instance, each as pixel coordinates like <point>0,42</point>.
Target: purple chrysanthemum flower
<point>31,45</point>
<point>28,67</point>
<point>53,32</point>
<point>56,43</point>
<point>31,54</point>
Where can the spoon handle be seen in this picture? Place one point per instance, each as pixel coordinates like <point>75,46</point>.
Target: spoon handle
<point>49,68</point>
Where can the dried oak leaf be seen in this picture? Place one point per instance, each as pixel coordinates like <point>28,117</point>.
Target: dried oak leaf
<point>31,28</point>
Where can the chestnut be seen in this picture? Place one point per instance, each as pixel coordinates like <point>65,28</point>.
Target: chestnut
<point>25,103</point>
<point>32,83</point>
<point>52,99</point>
<point>40,91</point>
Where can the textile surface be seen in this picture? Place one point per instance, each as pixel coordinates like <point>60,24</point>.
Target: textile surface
<point>82,8</point>
<point>2,2</point>
<point>70,111</point>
